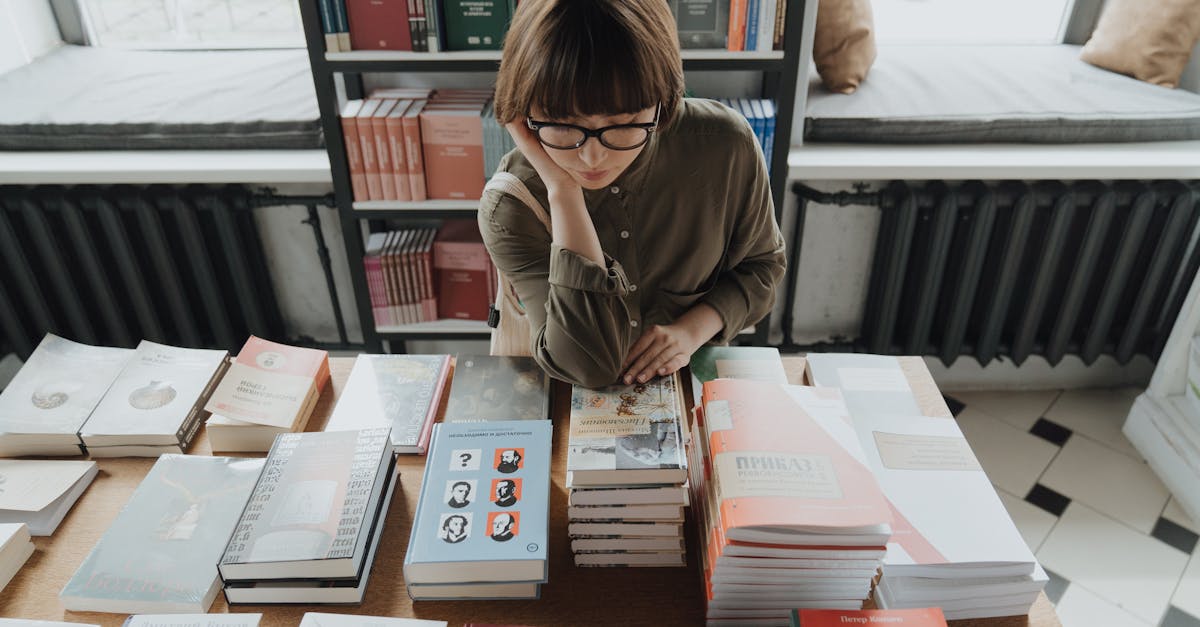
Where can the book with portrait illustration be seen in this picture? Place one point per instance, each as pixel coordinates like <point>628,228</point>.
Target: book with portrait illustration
<point>398,391</point>
<point>311,512</point>
<point>156,404</point>
<point>627,435</point>
<point>497,388</point>
<point>160,553</point>
<point>49,399</point>
<point>483,513</point>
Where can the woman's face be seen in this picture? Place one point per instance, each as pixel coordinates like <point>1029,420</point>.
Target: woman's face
<point>593,165</point>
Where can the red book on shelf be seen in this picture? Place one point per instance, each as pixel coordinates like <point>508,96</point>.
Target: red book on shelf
<point>378,24</point>
<point>354,163</point>
<point>412,149</point>
<point>428,294</point>
<point>410,284</point>
<point>452,136</point>
<point>393,286</point>
<point>373,266</point>
<point>460,259</point>
<point>383,149</point>
<point>366,139</point>
<point>736,39</point>
<point>395,135</point>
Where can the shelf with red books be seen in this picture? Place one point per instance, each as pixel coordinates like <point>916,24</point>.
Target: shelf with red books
<point>489,60</point>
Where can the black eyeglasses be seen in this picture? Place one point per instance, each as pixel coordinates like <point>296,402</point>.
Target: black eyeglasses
<point>615,137</point>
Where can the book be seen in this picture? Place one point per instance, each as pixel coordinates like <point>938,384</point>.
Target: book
<point>701,23</point>
<point>755,363</point>
<point>475,24</point>
<point>481,534</point>
<point>616,543</point>
<point>52,395</point>
<point>307,591</point>
<point>373,268</point>
<point>383,148</point>
<point>354,158</point>
<point>497,388</point>
<point>666,495</point>
<point>412,149</point>
<point>310,514</point>
<point>270,383</point>
<point>623,559</point>
<point>319,619</point>
<point>160,553</point>
<point>879,383</point>
<point>229,435</point>
<point>156,401</point>
<point>627,435</point>
<point>784,475</point>
<point>461,264</point>
<point>376,24</point>
<point>625,512</point>
<point>39,493</point>
<point>394,125</point>
<point>193,620</point>
<point>470,591</point>
<point>15,549</point>
<point>577,529</point>
<point>452,139</point>
<point>398,391</point>
<point>366,141</point>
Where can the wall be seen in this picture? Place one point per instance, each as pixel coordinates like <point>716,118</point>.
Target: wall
<point>27,31</point>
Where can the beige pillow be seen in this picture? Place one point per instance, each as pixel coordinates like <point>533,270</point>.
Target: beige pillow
<point>1146,39</point>
<point>844,44</point>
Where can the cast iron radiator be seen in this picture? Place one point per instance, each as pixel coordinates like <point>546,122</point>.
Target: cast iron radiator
<point>115,265</point>
<point>1016,269</point>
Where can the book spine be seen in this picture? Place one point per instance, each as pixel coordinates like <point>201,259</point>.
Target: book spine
<point>780,21</point>
<point>374,271</point>
<point>737,26</point>
<point>358,177</point>
<point>414,276</point>
<point>430,300</point>
<point>766,24</point>
<point>423,25</point>
<point>395,142</point>
<point>343,28</point>
<point>433,22</point>
<point>770,144</point>
<point>328,25</point>
<point>751,24</point>
<point>366,139</point>
<point>412,149</point>
<point>412,25</point>
<point>393,279</point>
<point>383,152</point>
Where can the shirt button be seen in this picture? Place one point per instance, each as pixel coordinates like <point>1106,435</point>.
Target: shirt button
<point>633,323</point>
<point>633,288</point>
<point>614,189</point>
<point>624,234</point>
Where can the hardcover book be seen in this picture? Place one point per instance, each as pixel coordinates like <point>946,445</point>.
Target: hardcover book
<point>310,514</point>
<point>40,492</point>
<point>483,512</point>
<point>398,391</point>
<point>497,388</point>
<point>378,24</point>
<point>49,399</point>
<point>701,23</point>
<point>475,24</point>
<point>453,147</point>
<point>879,383</point>
<point>160,553</point>
<point>627,435</point>
<point>269,383</point>
<point>463,270</point>
<point>354,159</point>
<point>157,399</point>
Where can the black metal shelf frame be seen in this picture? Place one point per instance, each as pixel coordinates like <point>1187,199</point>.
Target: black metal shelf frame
<point>779,84</point>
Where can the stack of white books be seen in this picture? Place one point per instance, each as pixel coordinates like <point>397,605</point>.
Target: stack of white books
<point>309,532</point>
<point>155,406</point>
<point>269,389</point>
<point>789,513</point>
<point>40,492</point>
<point>15,547</point>
<point>627,470</point>
<point>47,402</point>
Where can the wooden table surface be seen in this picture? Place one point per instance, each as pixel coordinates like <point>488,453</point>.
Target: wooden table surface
<point>573,596</point>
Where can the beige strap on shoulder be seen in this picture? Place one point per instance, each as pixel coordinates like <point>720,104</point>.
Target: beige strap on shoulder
<point>508,183</point>
<point>512,334</point>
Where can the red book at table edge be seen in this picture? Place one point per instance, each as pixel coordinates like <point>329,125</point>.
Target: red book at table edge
<point>920,617</point>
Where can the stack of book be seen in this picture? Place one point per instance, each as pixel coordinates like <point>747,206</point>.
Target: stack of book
<point>155,406</point>
<point>488,387</point>
<point>626,470</point>
<point>309,531</point>
<point>955,545</point>
<point>270,389</point>
<point>735,25</point>
<point>417,26</point>
<point>481,526</point>
<point>760,113</point>
<point>160,554</point>
<point>402,392</point>
<point>45,405</point>
<point>15,547</point>
<point>40,492</point>
<point>789,513</point>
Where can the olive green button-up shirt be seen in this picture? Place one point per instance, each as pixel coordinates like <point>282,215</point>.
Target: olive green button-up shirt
<point>690,221</point>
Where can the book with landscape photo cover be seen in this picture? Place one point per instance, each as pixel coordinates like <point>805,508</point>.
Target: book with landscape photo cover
<point>497,388</point>
<point>398,391</point>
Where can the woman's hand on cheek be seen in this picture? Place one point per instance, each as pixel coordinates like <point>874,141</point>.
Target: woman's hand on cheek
<point>555,178</point>
<point>661,350</point>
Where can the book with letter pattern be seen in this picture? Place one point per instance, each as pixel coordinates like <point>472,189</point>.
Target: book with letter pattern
<point>311,512</point>
<point>400,391</point>
<point>483,512</point>
<point>270,383</point>
<point>627,434</point>
<point>160,553</point>
<point>49,399</point>
<point>919,617</point>
<point>491,387</point>
<point>785,475</point>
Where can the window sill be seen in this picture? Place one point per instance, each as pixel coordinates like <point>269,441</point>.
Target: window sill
<point>164,166</point>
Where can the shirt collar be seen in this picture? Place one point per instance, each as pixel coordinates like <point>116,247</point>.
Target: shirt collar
<point>634,176</point>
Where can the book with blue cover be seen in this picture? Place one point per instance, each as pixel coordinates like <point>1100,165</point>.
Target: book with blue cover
<point>483,513</point>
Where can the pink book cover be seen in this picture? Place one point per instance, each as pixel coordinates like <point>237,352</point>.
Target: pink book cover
<point>429,299</point>
<point>395,136</point>
<point>373,266</point>
<point>269,383</point>
<point>396,306</point>
<point>378,24</point>
<point>406,291</point>
<point>389,277</point>
<point>354,163</point>
<point>412,150</point>
<point>460,259</point>
<point>366,138</point>
<point>453,143</point>
<point>383,149</point>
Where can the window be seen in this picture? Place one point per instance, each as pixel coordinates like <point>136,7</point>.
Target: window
<point>192,24</point>
<point>970,21</point>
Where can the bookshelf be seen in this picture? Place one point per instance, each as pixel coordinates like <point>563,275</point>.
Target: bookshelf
<point>779,70</point>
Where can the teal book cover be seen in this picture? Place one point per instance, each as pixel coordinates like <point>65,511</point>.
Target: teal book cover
<point>475,24</point>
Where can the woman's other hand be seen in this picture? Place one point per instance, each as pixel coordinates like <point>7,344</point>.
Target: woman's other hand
<point>665,348</point>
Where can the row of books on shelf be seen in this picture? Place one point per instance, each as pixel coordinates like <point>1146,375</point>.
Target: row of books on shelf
<point>445,25</point>
<point>408,144</point>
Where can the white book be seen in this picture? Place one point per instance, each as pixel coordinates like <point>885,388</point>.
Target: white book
<point>627,528</point>
<point>933,590</point>
<point>581,545</point>
<point>22,622</point>
<point>783,590</point>
<point>40,492</point>
<point>193,620</point>
<point>1025,598</point>
<point>655,495</point>
<point>785,562</point>
<point>949,521</point>
<point>869,383</point>
<point>319,619</point>
<point>15,549</point>
<point>229,435</point>
<point>468,591</point>
<point>625,512</point>
<point>665,558</point>
<point>46,403</point>
<point>398,391</point>
<point>157,399</point>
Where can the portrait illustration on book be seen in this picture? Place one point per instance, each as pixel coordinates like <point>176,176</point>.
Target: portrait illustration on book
<point>503,526</point>
<point>509,460</point>
<point>459,493</point>
<point>506,492</point>
<point>455,528</point>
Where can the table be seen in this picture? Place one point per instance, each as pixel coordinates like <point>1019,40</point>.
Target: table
<point>573,596</point>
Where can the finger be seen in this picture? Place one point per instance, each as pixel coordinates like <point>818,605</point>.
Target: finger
<point>674,364</point>
<point>646,356</point>
<point>652,366</point>
<point>638,347</point>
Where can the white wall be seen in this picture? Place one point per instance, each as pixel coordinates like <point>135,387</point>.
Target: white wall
<point>27,31</point>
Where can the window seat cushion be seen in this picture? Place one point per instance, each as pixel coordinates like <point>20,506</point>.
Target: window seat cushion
<point>986,94</point>
<point>84,98</point>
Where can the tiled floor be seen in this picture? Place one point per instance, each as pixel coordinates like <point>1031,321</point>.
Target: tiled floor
<point>1119,550</point>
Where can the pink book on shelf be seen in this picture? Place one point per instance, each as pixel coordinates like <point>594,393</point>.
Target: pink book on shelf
<point>366,138</point>
<point>395,135</point>
<point>461,259</point>
<point>373,266</point>
<point>403,276</point>
<point>389,264</point>
<point>412,149</point>
<point>430,294</point>
<point>354,162</point>
<point>410,277</point>
<point>453,141</point>
<point>383,149</point>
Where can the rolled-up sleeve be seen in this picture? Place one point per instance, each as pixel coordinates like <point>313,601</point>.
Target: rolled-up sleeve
<point>578,316</point>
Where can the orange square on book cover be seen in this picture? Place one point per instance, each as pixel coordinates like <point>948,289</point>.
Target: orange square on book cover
<point>920,617</point>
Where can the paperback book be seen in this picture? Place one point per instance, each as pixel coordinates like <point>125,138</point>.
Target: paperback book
<point>497,388</point>
<point>39,493</point>
<point>402,392</point>
<point>270,383</point>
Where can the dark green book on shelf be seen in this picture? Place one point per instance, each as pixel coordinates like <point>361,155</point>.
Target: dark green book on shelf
<point>476,24</point>
<point>701,23</point>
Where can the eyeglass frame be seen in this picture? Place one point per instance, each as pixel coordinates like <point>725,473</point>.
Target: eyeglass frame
<point>649,127</point>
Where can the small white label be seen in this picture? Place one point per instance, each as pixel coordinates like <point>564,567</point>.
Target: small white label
<point>717,416</point>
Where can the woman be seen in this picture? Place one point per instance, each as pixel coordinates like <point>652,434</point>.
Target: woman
<point>663,232</point>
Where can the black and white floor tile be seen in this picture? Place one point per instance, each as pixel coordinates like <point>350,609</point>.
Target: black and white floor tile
<point>1119,550</point>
